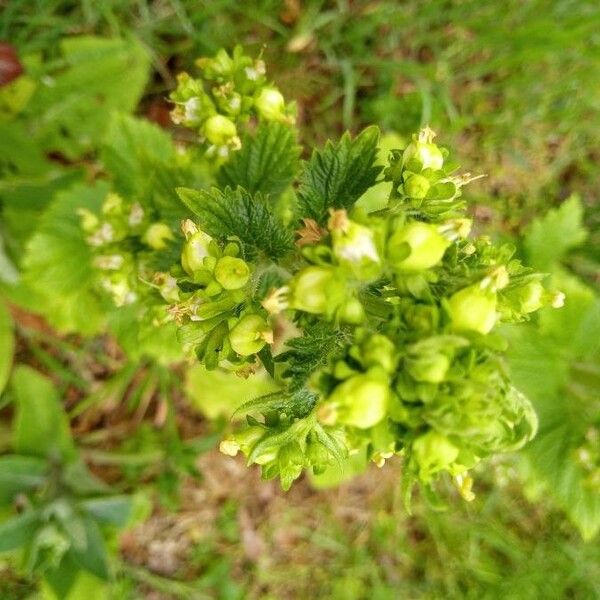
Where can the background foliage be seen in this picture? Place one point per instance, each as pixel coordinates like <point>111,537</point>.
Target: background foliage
<point>513,86</point>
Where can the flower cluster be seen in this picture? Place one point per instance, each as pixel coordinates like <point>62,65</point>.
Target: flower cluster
<point>219,318</point>
<point>413,303</point>
<point>123,237</point>
<point>231,90</point>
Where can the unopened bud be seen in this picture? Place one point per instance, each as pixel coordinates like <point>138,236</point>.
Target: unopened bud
<point>219,130</point>
<point>270,104</point>
<point>250,335</point>
<point>416,186</point>
<point>157,236</point>
<point>195,250</point>
<point>427,247</point>
<point>232,273</point>
<point>473,309</point>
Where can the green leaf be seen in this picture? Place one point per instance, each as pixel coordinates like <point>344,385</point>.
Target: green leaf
<point>69,582</point>
<point>336,474</point>
<point>140,338</point>
<point>219,393</point>
<point>93,557</point>
<point>17,531</point>
<point>113,510</point>
<point>25,198</point>
<point>7,344</point>
<point>297,403</point>
<point>305,354</point>
<point>267,162</point>
<point>20,474</point>
<point>96,76</point>
<point>40,426</point>
<point>550,237</point>
<point>57,264</point>
<point>338,175</point>
<point>8,271</point>
<point>145,165</point>
<point>236,213</point>
<point>555,364</point>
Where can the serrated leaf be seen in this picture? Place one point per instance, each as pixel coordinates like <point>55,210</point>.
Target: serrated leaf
<point>78,94</point>
<point>294,432</point>
<point>294,403</point>
<point>145,165</point>
<point>40,426</point>
<point>266,163</point>
<point>7,344</point>
<point>555,364</point>
<point>236,213</point>
<point>551,236</point>
<point>307,353</point>
<point>57,264</point>
<point>334,447</point>
<point>338,175</point>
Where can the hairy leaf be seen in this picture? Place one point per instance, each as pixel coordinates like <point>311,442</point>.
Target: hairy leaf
<point>307,353</point>
<point>338,175</point>
<point>296,403</point>
<point>237,213</point>
<point>266,163</point>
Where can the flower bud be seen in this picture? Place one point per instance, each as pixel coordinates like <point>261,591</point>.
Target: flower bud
<point>109,262</point>
<point>270,104</point>
<point>89,221</point>
<point>232,273</point>
<point>428,368</point>
<point>352,312</point>
<point>352,243</point>
<point>136,215</point>
<point>195,250</point>
<point>157,236</point>
<point>112,205</point>
<point>167,286</point>
<point>416,186</point>
<point>424,151</point>
<point>433,452</point>
<point>530,297</point>
<point>557,300</point>
<point>308,289</point>
<point>360,401</point>
<point>219,130</point>
<point>250,335</point>
<point>244,440</point>
<point>426,245</point>
<point>378,350</point>
<point>473,309</point>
